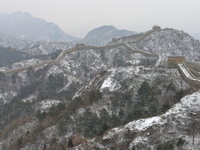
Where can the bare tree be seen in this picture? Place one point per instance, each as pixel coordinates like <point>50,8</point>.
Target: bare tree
<point>193,126</point>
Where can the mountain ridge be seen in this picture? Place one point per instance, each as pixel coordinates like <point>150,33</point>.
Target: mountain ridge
<point>25,26</point>
<point>104,34</point>
<point>107,96</point>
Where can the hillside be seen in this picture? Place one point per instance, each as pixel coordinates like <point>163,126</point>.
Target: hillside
<point>103,35</point>
<point>165,42</point>
<point>25,26</point>
<point>33,47</point>
<point>10,55</point>
<point>118,96</point>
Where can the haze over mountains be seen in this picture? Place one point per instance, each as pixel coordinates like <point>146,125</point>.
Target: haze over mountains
<point>36,36</point>
<point>25,26</point>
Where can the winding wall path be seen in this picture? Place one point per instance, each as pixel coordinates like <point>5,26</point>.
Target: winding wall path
<point>187,75</point>
<point>63,53</point>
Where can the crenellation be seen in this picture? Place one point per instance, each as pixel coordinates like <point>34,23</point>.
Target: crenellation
<point>80,46</point>
<point>156,28</point>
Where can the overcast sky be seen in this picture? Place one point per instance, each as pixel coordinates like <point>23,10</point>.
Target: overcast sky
<point>77,17</point>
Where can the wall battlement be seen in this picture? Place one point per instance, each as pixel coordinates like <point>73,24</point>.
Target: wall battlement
<point>156,28</point>
<point>80,46</point>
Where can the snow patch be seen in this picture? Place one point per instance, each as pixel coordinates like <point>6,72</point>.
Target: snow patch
<point>30,98</point>
<point>54,71</point>
<point>110,83</point>
<point>48,103</point>
<point>143,124</point>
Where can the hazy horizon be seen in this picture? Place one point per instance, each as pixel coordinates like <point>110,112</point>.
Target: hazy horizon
<point>78,17</point>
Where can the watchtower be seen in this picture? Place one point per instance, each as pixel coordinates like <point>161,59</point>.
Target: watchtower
<point>156,28</point>
<point>80,46</point>
<point>174,60</point>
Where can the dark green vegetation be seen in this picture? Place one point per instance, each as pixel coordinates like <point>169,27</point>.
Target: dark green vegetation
<point>123,106</point>
<point>47,89</point>
<point>147,62</point>
<point>54,111</point>
<point>165,146</point>
<point>10,55</point>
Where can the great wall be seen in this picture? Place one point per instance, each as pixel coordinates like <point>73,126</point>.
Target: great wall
<point>188,70</point>
<point>83,46</point>
<point>189,75</point>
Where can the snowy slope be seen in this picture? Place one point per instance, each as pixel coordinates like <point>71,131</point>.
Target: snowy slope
<point>171,42</point>
<point>32,47</point>
<point>172,126</point>
<point>117,74</point>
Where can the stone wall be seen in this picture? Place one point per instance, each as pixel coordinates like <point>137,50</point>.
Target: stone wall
<point>142,37</point>
<point>174,60</point>
<point>194,73</point>
<point>56,61</point>
<point>194,65</point>
<point>157,28</point>
<point>134,36</point>
<point>193,82</point>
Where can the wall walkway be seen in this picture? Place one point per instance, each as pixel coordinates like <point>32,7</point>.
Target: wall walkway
<point>126,44</point>
<point>187,75</point>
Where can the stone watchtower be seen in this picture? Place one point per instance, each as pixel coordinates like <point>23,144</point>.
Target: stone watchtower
<point>80,46</point>
<point>156,28</point>
<point>174,60</point>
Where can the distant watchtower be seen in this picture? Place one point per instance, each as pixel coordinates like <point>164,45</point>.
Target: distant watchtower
<point>80,46</point>
<point>156,28</point>
<point>174,60</point>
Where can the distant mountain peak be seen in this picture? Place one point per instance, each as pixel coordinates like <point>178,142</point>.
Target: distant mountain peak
<point>104,34</point>
<point>23,23</point>
<point>108,27</point>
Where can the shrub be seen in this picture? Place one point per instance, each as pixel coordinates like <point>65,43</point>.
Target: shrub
<point>54,140</point>
<point>180,142</point>
<point>19,142</point>
<point>112,148</point>
<point>144,92</point>
<point>70,143</point>
<point>94,95</point>
<point>41,116</point>
<point>165,107</point>
<point>105,127</point>
<point>178,95</point>
<point>160,147</point>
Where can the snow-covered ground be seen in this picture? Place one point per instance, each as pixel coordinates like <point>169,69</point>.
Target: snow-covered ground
<point>169,43</point>
<point>55,70</point>
<point>175,120</point>
<point>21,64</point>
<point>46,104</point>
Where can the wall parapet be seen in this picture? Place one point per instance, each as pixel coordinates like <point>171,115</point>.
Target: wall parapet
<point>194,65</point>
<point>194,73</point>
<point>187,76</point>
